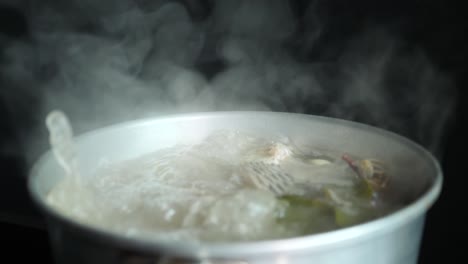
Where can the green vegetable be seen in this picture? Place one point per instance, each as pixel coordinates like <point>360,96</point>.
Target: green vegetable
<point>365,190</point>
<point>336,207</point>
<point>348,216</point>
<point>302,200</point>
<point>351,207</point>
<point>307,215</point>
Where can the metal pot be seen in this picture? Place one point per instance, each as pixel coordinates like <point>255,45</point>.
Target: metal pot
<point>417,179</point>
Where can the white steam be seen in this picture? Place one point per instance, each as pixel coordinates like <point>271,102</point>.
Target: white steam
<point>108,61</point>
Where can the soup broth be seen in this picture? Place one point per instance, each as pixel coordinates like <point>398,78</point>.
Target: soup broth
<point>232,186</point>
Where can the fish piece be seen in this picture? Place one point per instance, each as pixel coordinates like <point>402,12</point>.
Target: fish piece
<point>268,177</point>
<point>373,171</point>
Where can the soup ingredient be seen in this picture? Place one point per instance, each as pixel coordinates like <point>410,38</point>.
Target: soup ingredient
<point>371,170</point>
<point>231,186</point>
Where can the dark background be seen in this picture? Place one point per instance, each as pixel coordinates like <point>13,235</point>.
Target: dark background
<point>438,27</point>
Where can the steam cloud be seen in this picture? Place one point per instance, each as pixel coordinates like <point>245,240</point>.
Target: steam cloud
<point>108,61</point>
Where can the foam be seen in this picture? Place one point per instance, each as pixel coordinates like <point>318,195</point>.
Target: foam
<point>189,192</point>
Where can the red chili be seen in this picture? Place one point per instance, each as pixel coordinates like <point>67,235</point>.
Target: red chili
<point>350,161</point>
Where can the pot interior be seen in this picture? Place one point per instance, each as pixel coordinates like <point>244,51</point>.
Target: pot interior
<point>414,171</point>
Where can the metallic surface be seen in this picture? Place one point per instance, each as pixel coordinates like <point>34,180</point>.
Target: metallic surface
<point>417,179</point>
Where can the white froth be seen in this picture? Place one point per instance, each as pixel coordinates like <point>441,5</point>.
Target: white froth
<point>187,192</point>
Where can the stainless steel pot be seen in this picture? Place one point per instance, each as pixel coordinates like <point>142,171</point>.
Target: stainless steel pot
<point>417,179</point>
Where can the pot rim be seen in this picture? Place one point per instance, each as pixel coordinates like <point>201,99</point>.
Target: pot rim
<point>240,249</point>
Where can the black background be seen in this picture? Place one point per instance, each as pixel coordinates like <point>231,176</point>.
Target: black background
<point>438,27</point>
